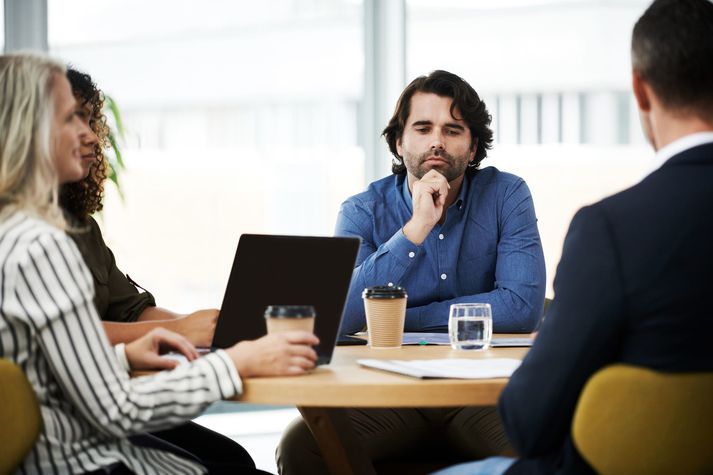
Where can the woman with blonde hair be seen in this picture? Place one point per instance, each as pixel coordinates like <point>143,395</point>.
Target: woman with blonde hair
<point>49,325</point>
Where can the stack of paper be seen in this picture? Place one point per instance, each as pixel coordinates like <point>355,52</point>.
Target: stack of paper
<point>514,341</point>
<point>456,368</point>
<point>418,338</point>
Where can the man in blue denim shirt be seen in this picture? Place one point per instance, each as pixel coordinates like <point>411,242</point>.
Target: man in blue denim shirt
<point>447,232</point>
<point>442,228</point>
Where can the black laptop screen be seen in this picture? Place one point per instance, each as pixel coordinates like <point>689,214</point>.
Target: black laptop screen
<point>286,270</point>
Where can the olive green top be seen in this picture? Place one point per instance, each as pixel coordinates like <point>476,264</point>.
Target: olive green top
<point>116,297</point>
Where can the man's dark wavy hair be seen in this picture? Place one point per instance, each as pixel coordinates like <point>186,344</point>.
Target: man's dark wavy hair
<point>83,198</point>
<point>465,100</point>
<point>672,49</point>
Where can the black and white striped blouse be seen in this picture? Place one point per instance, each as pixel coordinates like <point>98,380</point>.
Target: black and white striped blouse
<point>89,405</point>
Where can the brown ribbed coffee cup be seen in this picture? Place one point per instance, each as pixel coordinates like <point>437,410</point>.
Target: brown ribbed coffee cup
<point>286,318</point>
<point>385,309</point>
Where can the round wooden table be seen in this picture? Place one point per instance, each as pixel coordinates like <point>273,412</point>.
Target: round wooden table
<point>323,396</point>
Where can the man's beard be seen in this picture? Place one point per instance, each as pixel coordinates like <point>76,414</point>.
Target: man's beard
<point>455,165</point>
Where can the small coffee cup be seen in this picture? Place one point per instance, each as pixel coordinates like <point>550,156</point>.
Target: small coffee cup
<point>385,308</point>
<point>286,318</point>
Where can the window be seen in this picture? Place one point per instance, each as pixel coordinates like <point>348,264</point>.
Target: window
<point>2,25</point>
<point>242,117</point>
<point>555,77</point>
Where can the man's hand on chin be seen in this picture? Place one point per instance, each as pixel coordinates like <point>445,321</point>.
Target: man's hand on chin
<point>429,198</point>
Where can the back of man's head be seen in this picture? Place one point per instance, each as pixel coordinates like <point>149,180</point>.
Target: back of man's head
<point>672,50</point>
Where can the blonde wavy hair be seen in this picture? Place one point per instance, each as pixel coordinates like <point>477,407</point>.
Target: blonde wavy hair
<point>28,177</point>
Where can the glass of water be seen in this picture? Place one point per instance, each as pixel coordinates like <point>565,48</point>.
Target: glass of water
<point>470,326</point>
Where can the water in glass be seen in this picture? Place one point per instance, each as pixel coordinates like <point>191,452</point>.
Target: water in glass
<point>470,326</point>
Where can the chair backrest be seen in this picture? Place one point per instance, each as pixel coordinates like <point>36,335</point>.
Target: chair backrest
<point>631,420</point>
<point>20,419</point>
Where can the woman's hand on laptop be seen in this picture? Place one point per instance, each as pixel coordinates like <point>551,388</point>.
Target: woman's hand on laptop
<point>278,354</point>
<point>145,353</point>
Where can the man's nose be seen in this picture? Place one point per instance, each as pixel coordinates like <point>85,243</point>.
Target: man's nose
<point>437,143</point>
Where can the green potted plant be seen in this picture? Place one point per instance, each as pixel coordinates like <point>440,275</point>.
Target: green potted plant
<point>117,134</point>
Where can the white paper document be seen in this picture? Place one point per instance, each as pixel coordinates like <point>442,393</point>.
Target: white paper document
<point>453,368</point>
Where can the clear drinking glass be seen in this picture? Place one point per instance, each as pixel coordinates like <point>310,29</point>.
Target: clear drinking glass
<point>470,326</point>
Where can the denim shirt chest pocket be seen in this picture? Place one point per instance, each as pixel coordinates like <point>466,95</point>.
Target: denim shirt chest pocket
<point>477,260</point>
<point>479,243</point>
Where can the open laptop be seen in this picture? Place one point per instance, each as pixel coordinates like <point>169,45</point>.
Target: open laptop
<point>287,270</point>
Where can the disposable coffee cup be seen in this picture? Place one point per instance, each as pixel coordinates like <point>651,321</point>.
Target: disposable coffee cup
<point>287,318</point>
<point>385,309</point>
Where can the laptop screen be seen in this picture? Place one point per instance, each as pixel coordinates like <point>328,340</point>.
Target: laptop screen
<point>287,270</point>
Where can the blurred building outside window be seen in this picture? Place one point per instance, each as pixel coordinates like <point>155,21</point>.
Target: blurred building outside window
<point>555,75</point>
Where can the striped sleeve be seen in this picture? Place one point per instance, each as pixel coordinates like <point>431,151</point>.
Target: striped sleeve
<point>55,289</point>
<point>120,351</point>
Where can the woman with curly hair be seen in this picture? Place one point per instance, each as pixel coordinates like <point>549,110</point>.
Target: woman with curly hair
<point>127,314</point>
<point>83,198</point>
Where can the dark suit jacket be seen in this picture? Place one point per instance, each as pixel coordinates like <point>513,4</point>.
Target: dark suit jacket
<point>634,285</point>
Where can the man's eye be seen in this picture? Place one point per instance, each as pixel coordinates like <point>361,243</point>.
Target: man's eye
<point>453,132</point>
<point>422,130</point>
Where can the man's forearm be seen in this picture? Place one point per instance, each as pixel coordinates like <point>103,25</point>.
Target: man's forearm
<point>417,231</point>
<point>387,265</point>
<point>511,314</point>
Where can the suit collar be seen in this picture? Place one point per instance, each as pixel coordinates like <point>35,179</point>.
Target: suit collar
<point>679,146</point>
<point>702,154</point>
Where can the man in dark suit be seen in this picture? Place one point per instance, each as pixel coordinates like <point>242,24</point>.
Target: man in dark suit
<point>636,277</point>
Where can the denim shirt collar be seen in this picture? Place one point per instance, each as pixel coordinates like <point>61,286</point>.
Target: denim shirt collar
<point>458,203</point>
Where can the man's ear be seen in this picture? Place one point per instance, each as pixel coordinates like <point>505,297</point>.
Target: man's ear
<point>473,149</point>
<point>642,91</point>
<point>398,147</point>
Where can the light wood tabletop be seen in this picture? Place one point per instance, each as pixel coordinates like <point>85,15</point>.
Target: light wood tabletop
<point>324,396</point>
<point>343,383</point>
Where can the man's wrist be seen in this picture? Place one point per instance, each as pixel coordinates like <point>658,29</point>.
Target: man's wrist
<point>416,231</point>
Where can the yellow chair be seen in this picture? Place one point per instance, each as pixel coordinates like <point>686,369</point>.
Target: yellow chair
<point>20,419</point>
<point>631,420</point>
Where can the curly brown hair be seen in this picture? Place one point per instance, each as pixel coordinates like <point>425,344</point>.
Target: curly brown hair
<point>84,198</point>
